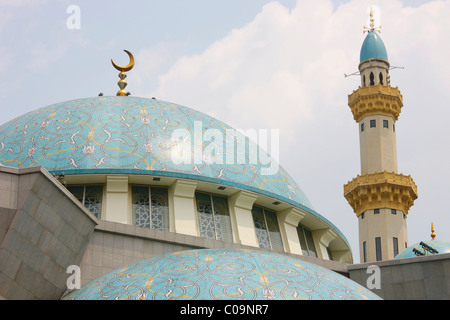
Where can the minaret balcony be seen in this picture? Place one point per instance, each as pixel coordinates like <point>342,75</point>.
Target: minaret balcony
<point>381,190</point>
<point>375,100</point>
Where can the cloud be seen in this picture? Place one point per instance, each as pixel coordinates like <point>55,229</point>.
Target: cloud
<point>285,70</point>
<point>21,3</point>
<point>8,10</point>
<point>42,56</point>
<point>271,73</point>
<point>151,63</point>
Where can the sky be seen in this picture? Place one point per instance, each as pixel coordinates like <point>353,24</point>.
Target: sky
<point>253,64</point>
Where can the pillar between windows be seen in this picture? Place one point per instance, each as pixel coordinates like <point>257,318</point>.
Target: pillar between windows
<point>184,213</point>
<point>323,237</point>
<point>116,199</point>
<point>241,204</point>
<point>288,220</point>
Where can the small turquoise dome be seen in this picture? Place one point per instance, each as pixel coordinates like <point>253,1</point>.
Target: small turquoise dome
<point>438,245</point>
<point>373,47</point>
<point>222,274</point>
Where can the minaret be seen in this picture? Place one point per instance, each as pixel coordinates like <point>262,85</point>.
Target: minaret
<point>380,196</point>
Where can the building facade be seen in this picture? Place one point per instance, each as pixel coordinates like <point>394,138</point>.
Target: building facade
<point>149,199</point>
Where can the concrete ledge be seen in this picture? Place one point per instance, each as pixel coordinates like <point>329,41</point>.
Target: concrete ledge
<point>115,245</point>
<point>394,262</point>
<point>417,278</point>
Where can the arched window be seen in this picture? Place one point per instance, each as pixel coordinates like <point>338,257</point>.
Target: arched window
<point>364,80</point>
<point>372,77</point>
<point>381,78</point>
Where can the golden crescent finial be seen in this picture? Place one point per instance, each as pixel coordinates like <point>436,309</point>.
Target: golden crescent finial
<point>127,67</point>
<point>122,75</point>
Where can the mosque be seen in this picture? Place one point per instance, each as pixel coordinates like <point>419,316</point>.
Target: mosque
<point>123,197</point>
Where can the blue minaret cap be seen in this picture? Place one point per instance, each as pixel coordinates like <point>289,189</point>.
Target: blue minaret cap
<point>373,47</point>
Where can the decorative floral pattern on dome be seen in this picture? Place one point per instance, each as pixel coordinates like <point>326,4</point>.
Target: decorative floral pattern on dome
<point>226,274</point>
<point>122,134</point>
<point>90,149</point>
<point>31,151</point>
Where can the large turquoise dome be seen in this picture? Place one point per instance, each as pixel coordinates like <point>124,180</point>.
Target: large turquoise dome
<point>132,135</point>
<point>222,274</point>
<point>438,245</point>
<point>373,47</point>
